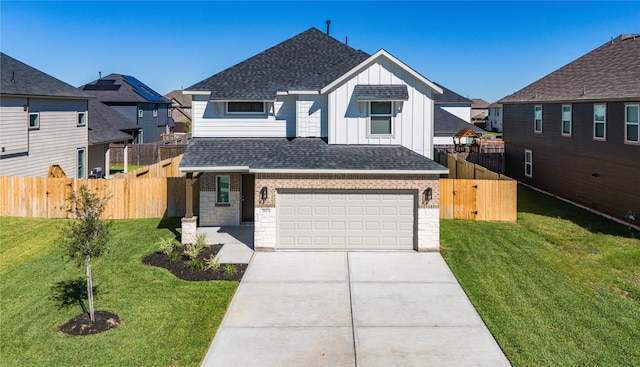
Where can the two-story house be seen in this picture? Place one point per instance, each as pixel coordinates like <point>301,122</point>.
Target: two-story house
<point>452,113</point>
<point>494,119</point>
<point>180,110</point>
<point>43,122</point>
<point>137,102</point>
<point>320,146</point>
<point>479,112</point>
<point>574,133</point>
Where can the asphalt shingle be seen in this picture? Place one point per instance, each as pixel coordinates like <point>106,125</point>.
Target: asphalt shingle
<point>106,124</point>
<point>447,124</point>
<point>115,88</point>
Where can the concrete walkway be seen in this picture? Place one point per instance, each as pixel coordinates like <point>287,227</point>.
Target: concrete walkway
<point>351,309</point>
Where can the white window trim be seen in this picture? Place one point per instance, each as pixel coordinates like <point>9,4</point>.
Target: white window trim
<point>84,164</point>
<point>529,163</point>
<point>140,113</point>
<point>604,122</point>
<point>155,112</point>
<point>534,119</point>
<point>218,189</point>
<point>78,114</point>
<point>392,120</point>
<point>263,113</point>
<point>626,123</point>
<point>37,127</point>
<point>169,111</point>
<point>563,120</point>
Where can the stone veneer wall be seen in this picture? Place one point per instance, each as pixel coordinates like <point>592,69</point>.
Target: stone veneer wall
<point>428,231</point>
<point>212,214</point>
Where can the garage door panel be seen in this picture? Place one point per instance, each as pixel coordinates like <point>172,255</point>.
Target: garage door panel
<point>345,220</point>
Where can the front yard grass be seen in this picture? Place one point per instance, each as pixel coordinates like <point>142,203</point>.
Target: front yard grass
<point>561,287</point>
<point>165,321</point>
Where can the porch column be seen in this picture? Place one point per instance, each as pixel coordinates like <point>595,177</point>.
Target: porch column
<point>189,222</point>
<point>126,157</point>
<point>107,161</point>
<point>189,195</point>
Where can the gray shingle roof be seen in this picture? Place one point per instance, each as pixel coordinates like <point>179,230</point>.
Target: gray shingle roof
<point>610,72</point>
<point>368,92</point>
<point>115,88</point>
<point>447,124</point>
<point>106,124</point>
<point>18,78</point>
<point>479,103</point>
<point>450,97</point>
<point>301,154</point>
<point>309,61</point>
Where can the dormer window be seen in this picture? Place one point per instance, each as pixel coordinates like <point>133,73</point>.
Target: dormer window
<point>381,117</point>
<point>245,107</point>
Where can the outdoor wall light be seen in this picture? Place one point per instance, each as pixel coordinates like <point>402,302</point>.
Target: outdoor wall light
<point>428,194</point>
<point>25,107</point>
<point>263,194</point>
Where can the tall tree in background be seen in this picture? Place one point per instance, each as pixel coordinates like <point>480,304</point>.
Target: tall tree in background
<point>87,235</point>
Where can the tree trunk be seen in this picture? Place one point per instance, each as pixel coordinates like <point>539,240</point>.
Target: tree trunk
<point>90,288</point>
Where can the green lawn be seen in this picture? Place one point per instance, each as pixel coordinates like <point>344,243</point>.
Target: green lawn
<point>119,168</point>
<point>561,287</point>
<point>165,321</point>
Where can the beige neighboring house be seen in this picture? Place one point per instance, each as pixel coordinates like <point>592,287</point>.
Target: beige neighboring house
<point>494,119</point>
<point>180,109</point>
<point>479,112</point>
<point>43,122</point>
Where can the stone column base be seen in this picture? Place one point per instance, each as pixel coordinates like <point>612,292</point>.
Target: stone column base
<point>189,227</point>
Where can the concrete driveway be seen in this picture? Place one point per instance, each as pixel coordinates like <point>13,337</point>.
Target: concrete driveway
<point>351,309</point>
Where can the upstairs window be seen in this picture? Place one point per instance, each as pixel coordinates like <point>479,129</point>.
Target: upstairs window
<point>34,121</point>
<point>155,112</point>
<point>566,120</point>
<point>537,119</point>
<point>245,107</point>
<point>223,189</point>
<point>169,110</point>
<point>631,118</point>
<point>82,119</point>
<point>380,118</point>
<point>140,113</point>
<point>600,122</point>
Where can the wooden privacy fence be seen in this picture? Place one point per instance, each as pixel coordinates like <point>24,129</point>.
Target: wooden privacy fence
<point>165,168</point>
<point>148,153</point>
<point>474,192</point>
<point>41,197</point>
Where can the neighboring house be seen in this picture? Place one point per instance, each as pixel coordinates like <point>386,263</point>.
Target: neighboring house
<point>494,120</point>
<point>107,126</point>
<point>43,122</point>
<point>479,112</point>
<point>137,102</point>
<point>180,109</point>
<point>447,126</point>
<point>320,145</point>
<point>574,133</point>
<point>454,103</point>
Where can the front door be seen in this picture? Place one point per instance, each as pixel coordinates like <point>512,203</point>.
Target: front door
<point>248,193</point>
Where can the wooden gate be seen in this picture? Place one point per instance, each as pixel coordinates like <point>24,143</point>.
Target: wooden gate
<point>494,200</point>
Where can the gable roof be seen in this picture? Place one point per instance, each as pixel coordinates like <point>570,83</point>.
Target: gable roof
<point>479,103</point>
<point>450,97</point>
<point>18,78</point>
<point>122,88</point>
<point>308,61</point>
<point>609,72</point>
<point>106,124</point>
<point>178,99</point>
<point>302,155</point>
<point>447,124</point>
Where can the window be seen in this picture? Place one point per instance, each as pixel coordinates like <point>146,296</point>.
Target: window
<point>223,189</point>
<point>380,116</point>
<point>82,119</point>
<point>600,122</point>
<point>631,118</point>
<point>34,121</point>
<point>245,107</point>
<point>566,120</point>
<point>169,109</point>
<point>155,112</point>
<point>528,163</point>
<point>537,117</point>
<point>140,113</point>
<point>187,109</point>
<point>80,155</point>
<point>497,112</point>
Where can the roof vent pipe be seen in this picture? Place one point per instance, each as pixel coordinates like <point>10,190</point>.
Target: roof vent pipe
<point>328,24</point>
<point>99,74</point>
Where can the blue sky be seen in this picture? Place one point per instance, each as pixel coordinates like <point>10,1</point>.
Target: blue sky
<point>478,49</point>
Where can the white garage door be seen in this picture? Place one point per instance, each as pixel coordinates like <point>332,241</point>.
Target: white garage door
<point>345,220</point>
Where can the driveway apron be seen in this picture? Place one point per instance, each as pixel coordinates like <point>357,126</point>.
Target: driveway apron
<point>351,309</point>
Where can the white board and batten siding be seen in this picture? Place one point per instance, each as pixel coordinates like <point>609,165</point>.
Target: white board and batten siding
<point>412,126</point>
<point>342,220</point>
<point>209,120</point>
<point>55,142</point>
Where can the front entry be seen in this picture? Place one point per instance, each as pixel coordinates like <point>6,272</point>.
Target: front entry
<point>248,193</point>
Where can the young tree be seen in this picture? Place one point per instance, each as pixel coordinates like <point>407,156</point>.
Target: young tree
<point>87,235</point>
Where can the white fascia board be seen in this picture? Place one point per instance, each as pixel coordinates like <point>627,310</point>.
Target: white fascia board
<point>352,171</point>
<point>197,92</point>
<point>303,92</point>
<point>215,169</point>
<point>393,59</point>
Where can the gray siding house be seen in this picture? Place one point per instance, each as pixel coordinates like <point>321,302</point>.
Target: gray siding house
<point>137,102</point>
<point>43,122</point>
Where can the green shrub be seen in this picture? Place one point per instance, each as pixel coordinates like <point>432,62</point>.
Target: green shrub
<point>195,264</point>
<point>212,263</point>
<point>230,269</point>
<point>192,250</point>
<point>174,256</point>
<point>167,245</point>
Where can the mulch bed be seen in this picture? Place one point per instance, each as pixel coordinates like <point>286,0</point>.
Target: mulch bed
<point>180,269</point>
<point>82,325</point>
